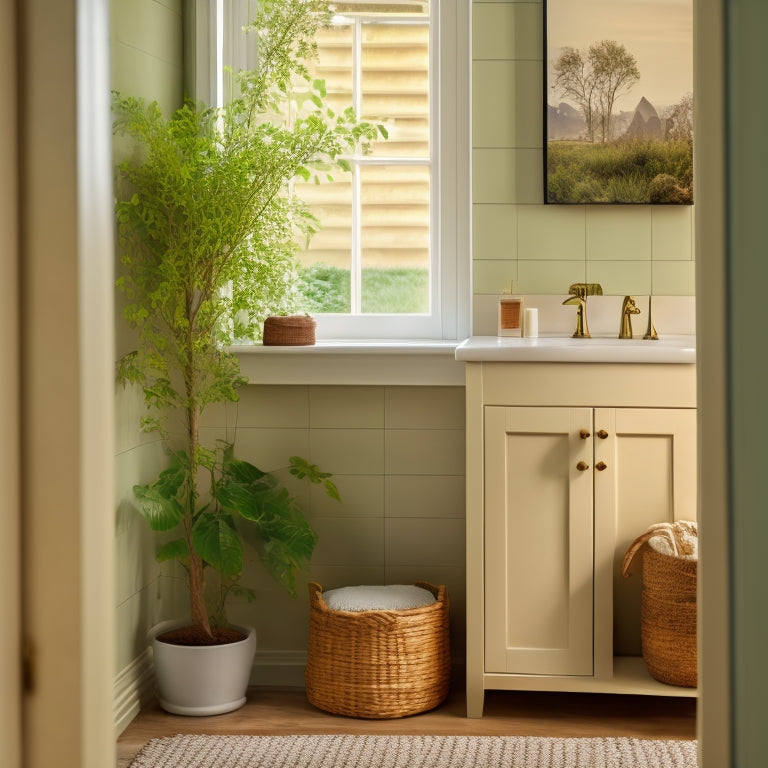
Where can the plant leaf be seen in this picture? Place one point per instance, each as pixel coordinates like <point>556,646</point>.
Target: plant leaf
<point>238,470</point>
<point>161,512</point>
<point>173,550</point>
<point>244,592</point>
<point>331,489</point>
<point>319,86</point>
<point>289,543</point>
<point>301,468</point>
<point>217,542</point>
<point>246,500</point>
<point>170,480</point>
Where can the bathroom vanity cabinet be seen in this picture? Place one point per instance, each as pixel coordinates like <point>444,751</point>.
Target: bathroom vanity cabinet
<point>566,464</point>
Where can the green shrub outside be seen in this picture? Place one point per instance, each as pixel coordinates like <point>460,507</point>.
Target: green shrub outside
<point>323,288</point>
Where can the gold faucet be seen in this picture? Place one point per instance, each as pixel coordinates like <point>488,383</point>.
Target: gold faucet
<point>582,331</point>
<point>628,308</point>
<point>578,293</point>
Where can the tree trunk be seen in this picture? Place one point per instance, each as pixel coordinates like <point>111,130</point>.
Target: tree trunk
<point>198,608</point>
<point>197,604</point>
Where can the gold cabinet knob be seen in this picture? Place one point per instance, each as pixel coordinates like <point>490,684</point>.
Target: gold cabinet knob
<point>600,466</point>
<point>602,434</point>
<point>581,466</point>
<point>584,434</point>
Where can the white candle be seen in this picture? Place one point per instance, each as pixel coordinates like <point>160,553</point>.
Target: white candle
<point>531,323</point>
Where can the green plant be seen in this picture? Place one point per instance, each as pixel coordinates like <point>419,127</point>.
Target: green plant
<point>208,233</point>
<point>238,492</point>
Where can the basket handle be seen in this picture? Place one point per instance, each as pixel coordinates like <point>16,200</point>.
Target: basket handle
<point>672,532</point>
<point>440,593</point>
<point>316,596</point>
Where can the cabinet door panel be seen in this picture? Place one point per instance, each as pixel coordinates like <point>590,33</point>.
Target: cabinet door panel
<point>539,557</point>
<point>652,471</point>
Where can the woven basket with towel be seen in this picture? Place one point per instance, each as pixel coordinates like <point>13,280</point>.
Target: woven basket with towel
<point>668,600</point>
<point>376,660</point>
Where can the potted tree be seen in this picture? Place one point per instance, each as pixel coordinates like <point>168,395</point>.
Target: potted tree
<point>208,239</point>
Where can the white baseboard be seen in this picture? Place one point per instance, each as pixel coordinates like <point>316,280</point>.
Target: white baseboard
<point>133,687</point>
<point>279,669</point>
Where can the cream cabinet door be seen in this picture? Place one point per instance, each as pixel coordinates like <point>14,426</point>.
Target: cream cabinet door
<point>649,476</point>
<point>538,540</point>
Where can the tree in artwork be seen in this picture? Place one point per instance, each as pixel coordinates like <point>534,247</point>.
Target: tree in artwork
<point>594,81</point>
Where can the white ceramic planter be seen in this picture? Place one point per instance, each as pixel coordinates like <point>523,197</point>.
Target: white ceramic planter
<point>202,680</point>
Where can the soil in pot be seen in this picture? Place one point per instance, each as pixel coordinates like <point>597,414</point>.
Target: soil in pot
<point>196,635</point>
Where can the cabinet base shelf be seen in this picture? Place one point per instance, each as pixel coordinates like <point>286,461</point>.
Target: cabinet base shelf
<point>630,676</point>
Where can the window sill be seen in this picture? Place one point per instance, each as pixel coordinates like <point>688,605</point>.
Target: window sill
<point>355,362</point>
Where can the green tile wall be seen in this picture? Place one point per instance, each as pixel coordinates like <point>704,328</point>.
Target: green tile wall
<point>145,42</point>
<point>397,456</point>
<point>628,249</point>
<point>397,453</point>
<point>146,50</point>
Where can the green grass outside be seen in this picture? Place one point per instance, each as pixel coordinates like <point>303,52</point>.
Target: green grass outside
<point>392,291</point>
<point>620,172</point>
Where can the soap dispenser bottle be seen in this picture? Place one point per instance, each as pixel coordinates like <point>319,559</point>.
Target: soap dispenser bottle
<point>510,313</point>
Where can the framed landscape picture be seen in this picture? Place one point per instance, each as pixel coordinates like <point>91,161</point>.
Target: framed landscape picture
<point>619,101</point>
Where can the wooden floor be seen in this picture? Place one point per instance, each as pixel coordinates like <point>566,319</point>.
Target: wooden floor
<point>277,712</point>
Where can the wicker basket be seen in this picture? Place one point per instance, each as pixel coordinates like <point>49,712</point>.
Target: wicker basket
<point>290,331</point>
<point>668,617</point>
<point>378,664</point>
<point>668,612</point>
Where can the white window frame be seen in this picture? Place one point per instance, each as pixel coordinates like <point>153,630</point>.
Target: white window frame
<point>216,25</point>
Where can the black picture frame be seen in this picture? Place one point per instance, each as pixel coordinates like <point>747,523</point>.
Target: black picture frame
<point>598,149</point>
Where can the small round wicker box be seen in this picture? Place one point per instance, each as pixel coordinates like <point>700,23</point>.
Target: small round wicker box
<point>378,664</point>
<point>290,331</point>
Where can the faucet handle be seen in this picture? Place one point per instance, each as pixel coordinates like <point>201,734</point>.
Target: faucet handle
<point>650,331</point>
<point>582,290</point>
<point>594,289</point>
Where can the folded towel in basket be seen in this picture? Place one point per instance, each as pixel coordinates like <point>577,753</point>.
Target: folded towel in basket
<point>678,539</point>
<point>392,597</point>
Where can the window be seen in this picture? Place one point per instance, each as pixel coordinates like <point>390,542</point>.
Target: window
<point>392,257</point>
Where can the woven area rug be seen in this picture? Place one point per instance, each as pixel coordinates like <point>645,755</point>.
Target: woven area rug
<point>412,752</point>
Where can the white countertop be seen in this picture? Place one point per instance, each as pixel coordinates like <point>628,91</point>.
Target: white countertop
<point>561,349</point>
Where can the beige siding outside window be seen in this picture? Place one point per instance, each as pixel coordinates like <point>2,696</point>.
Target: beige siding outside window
<point>395,231</point>
<point>377,221</point>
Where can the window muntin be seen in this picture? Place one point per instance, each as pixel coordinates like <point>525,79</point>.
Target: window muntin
<point>376,58</point>
<point>447,158</point>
